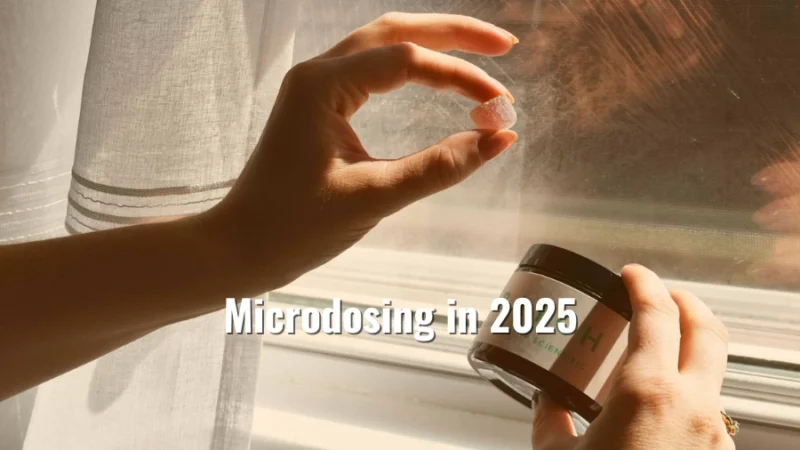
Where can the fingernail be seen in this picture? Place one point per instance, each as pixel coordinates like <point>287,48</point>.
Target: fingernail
<point>535,397</point>
<point>768,215</point>
<point>514,40</point>
<point>761,179</point>
<point>769,210</point>
<point>494,144</point>
<point>506,92</point>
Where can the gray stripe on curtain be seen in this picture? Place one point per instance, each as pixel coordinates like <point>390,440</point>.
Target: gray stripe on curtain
<point>154,192</point>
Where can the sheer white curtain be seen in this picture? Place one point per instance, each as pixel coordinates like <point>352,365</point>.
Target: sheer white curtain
<point>118,113</point>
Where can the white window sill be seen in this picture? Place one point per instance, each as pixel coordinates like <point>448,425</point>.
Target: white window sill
<point>352,397</point>
<point>299,431</point>
<point>370,391</point>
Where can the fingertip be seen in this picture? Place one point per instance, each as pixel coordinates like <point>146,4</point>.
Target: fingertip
<point>544,408</point>
<point>551,422</point>
<point>501,43</point>
<point>646,289</point>
<point>641,278</point>
<point>508,136</point>
<point>513,40</point>
<point>632,270</point>
<point>492,144</point>
<point>541,403</point>
<point>762,178</point>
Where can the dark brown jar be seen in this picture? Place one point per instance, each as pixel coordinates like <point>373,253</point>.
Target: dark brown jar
<point>574,369</point>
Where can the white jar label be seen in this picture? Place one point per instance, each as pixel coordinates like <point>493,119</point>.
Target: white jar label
<point>586,358</point>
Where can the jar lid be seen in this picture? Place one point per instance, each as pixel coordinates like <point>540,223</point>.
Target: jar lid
<point>582,273</point>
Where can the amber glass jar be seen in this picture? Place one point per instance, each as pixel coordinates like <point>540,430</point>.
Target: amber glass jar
<point>575,368</point>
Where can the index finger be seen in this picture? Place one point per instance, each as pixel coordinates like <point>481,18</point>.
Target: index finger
<point>440,32</point>
<point>654,336</point>
<point>704,341</point>
<point>384,69</point>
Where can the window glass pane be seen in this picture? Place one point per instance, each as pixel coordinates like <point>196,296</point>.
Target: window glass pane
<point>641,127</point>
<point>661,132</point>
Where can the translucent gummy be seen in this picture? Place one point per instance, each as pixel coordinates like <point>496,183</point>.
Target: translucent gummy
<point>496,114</point>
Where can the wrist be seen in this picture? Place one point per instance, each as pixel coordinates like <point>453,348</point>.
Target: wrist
<point>238,249</point>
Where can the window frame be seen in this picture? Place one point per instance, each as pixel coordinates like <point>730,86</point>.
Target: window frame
<point>356,393</point>
<point>765,398</point>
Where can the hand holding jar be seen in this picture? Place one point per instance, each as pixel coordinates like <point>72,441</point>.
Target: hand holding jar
<point>667,394</point>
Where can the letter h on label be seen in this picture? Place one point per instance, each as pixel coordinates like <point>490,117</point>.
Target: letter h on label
<point>587,337</point>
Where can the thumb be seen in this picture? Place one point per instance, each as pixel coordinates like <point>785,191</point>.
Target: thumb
<point>553,428</point>
<point>441,166</point>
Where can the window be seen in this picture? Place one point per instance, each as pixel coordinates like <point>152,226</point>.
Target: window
<point>644,134</point>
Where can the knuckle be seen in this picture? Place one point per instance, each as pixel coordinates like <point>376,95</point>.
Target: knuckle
<point>390,20</point>
<point>707,427</point>
<point>448,170</point>
<point>407,51</point>
<point>652,393</point>
<point>302,74</point>
<point>388,27</point>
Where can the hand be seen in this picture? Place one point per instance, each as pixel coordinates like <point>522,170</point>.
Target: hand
<point>782,180</point>
<point>311,190</point>
<point>667,394</point>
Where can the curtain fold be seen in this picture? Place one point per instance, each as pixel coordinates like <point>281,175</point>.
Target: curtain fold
<point>174,97</point>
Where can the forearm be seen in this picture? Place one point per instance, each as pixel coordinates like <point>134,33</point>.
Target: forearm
<point>65,302</point>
